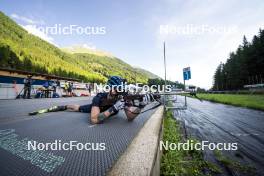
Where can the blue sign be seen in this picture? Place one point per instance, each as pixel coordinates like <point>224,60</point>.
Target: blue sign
<point>187,73</point>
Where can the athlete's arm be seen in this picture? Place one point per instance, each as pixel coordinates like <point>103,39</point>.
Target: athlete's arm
<point>133,111</point>
<point>95,115</point>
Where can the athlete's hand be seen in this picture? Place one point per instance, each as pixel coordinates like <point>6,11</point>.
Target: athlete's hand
<point>145,100</point>
<point>119,105</point>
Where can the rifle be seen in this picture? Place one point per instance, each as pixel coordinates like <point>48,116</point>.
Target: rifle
<point>134,99</point>
<point>140,97</point>
<point>130,99</point>
<point>140,100</point>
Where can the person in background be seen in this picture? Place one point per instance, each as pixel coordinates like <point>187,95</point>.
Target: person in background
<point>70,88</point>
<point>58,83</point>
<point>88,88</point>
<point>46,88</point>
<point>15,87</point>
<point>54,86</point>
<point>54,89</point>
<point>59,86</point>
<point>66,87</point>
<point>39,93</point>
<point>46,84</point>
<point>27,87</point>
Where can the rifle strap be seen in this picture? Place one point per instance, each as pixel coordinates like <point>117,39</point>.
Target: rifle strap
<point>154,107</point>
<point>146,109</point>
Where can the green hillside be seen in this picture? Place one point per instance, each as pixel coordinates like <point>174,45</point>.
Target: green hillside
<point>21,50</point>
<point>85,49</point>
<point>148,73</point>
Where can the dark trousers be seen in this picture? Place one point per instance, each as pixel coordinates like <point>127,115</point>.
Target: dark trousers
<point>27,92</point>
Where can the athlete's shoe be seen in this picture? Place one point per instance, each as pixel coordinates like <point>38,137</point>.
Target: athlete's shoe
<point>51,109</point>
<point>57,108</point>
<point>38,112</point>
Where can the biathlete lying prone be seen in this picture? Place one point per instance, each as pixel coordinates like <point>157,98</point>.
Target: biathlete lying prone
<point>104,105</point>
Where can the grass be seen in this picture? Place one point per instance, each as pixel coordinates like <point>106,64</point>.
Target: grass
<point>249,101</point>
<point>182,162</point>
<point>233,165</point>
<point>191,162</point>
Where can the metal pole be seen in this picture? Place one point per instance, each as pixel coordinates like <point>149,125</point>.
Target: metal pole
<point>185,99</point>
<point>165,71</point>
<point>165,67</point>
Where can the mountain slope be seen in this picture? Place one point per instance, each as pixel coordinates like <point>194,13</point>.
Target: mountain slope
<point>21,50</point>
<point>147,73</point>
<point>107,64</point>
<point>85,49</point>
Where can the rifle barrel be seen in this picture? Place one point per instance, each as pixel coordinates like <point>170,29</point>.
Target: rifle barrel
<point>156,95</point>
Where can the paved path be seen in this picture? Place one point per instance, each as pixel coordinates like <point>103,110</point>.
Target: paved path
<point>17,128</point>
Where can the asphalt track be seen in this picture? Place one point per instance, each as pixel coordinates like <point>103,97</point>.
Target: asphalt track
<point>16,128</point>
<point>215,122</point>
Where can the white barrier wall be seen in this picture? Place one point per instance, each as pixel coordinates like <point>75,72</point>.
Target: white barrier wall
<point>7,91</point>
<point>10,91</point>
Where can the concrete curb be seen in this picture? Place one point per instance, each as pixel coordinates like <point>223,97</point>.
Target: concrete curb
<point>142,156</point>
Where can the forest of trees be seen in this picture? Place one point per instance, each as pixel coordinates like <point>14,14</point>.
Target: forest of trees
<point>159,81</point>
<point>245,66</point>
<point>23,51</point>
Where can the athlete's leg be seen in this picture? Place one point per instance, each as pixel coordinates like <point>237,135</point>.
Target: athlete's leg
<point>73,107</point>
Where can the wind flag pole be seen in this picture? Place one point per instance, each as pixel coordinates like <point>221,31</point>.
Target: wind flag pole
<point>164,55</point>
<point>165,76</point>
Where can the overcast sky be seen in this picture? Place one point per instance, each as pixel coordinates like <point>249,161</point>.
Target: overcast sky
<point>198,33</point>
